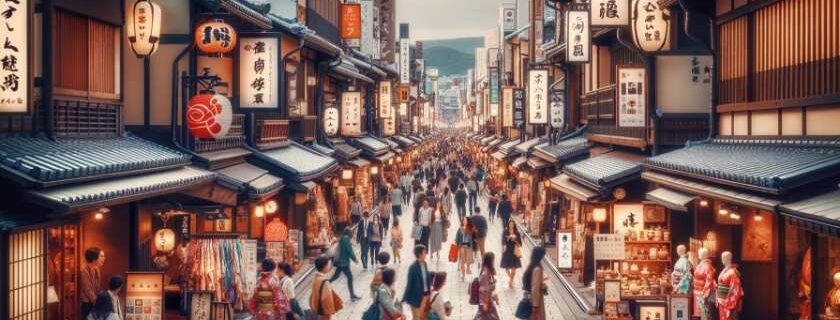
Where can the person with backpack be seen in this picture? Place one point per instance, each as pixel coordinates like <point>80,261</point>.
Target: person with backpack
<point>285,273</point>
<point>269,301</point>
<point>439,308</point>
<point>323,300</point>
<point>389,308</point>
<point>487,298</point>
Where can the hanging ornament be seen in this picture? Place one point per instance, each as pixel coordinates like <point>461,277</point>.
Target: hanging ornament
<point>209,116</point>
<point>215,36</point>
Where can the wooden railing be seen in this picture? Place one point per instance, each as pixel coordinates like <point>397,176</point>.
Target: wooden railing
<point>77,118</point>
<point>234,138</point>
<point>272,131</point>
<point>303,128</point>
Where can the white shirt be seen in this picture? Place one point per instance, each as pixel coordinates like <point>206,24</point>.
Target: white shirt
<point>425,216</point>
<point>288,287</point>
<point>438,305</point>
<point>115,299</point>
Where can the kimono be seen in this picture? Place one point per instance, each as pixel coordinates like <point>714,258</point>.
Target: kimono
<point>704,283</point>
<point>269,301</point>
<point>681,276</point>
<point>729,293</point>
<point>487,284</point>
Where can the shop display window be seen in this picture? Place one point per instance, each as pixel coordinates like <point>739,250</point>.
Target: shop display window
<point>63,270</point>
<point>812,272</point>
<point>319,222</point>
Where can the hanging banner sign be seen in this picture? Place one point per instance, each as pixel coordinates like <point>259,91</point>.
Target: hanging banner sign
<point>578,37</point>
<point>405,69</point>
<point>351,21</point>
<point>650,24</point>
<point>507,107</point>
<point>258,70</point>
<point>564,250</point>
<point>631,96</point>
<point>403,109</point>
<point>331,121</point>
<point>538,96</point>
<point>15,75</point>
<point>518,107</point>
<point>508,17</point>
<point>557,109</point>
<point>249,253</point>
<point>609,13</point>
<point>351,113</point>
<point>403,93</point>
<point>367,41</point>
<point>494,92</point>
<point>389,125</point>
<point>385,100</point>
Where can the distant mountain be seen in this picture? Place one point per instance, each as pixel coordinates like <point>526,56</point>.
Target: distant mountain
<point>451,56</point>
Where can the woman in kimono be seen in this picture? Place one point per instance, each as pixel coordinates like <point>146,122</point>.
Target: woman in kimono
<point>487,298</point>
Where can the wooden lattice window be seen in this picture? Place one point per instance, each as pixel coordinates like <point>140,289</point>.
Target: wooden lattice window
<point>86,55</point>
<point>27,281</point>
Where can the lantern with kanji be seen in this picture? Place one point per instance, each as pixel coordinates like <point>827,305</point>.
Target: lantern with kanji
<point>165,240</point>
<point>209,116</point>
<point>143,27</point>
<point>215,36</point>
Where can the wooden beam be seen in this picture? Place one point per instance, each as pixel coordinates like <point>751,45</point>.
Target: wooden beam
<point>779,104</point>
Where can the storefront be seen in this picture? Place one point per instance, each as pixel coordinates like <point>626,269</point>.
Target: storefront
<point>378,153</point>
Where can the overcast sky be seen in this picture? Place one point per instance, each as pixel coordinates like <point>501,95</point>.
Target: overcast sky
<point>444,19</point>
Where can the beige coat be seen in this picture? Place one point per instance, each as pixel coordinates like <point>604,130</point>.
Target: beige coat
<point>322,296</point>
<point>537,302</point>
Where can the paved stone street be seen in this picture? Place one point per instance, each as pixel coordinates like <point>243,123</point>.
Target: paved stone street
<point>455,289</point>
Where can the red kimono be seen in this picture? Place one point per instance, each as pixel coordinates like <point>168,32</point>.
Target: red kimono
<point>704,283</point>
<point>729,293</point>
<point>269,302</point>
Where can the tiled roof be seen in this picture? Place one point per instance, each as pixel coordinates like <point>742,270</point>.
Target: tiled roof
<point>824,208</point>
<point>345,151</point>
<point>297,162</point>
<point>323,149</point>
<point>403,141</point>
<point>370,145</point>
<point>492,145</point>
<point>42,160</point>
<point>764,167</point>
<point>125,188</point>
<point>11,221</point>
<point>416,139</point>
<point>603,171</point>
<point>563,150</point>
<point>484,141</point>
<point>526,146</point>
<point>247,177</point>
<point>507,148</point>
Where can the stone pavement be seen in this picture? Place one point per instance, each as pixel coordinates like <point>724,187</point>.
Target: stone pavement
<point>455,290</point>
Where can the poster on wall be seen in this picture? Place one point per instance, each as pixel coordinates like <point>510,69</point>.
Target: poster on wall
<point>331,121</point>
<point>258,72</point>
<point>679,306</point>
<point>757,242</point>
<point>558,107</point>
<point>507,107</point>
<point>494,92</point>
<point>564,250</point>
<point>508,17</point>
<point>221,67</point>
<point>578,37</point>
<point>15,75</point>
<point>144,295</point>
<point>608,246</point>
<point>628,217</point>
<point>650,24</point>
<point>609,13</point>
<point>351,113</point>
<point>275,250</point>
<point>518,107</point>
<point>651,310</point>
<point>385,100</point>
<point>538,96</point>
<point>632,93</point>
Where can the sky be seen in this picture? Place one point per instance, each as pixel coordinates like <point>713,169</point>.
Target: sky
<point>445,19</point>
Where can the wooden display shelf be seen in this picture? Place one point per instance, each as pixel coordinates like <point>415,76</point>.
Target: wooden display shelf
<point>636,242</point>
<point>648,260</point>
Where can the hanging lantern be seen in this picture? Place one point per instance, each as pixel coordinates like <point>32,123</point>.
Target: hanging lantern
<point>209,116</point>
<point>270,206</point>
<point>331,117</point>
<point>143,27</point>
<point>651,23</point>
<point>165,240</point>
<point>215,36</point>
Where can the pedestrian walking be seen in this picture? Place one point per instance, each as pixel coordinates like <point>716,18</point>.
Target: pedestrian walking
<point>405,182</point>
<point>323,300</point>
<point>487,289</point>
<point>511,251</point>
<point>385,297</point>
<point>382,259</point>
<point>269,301</point>
<point>479,177</point>
<point>419,283</point>
<point>533,283</point>
<point>492,204</point>
<point>385,212</point>
<point>424,220</point>
<point>481,226</point>
<point>446,202</point>
<point>396,240</point>
<point>472,191</point>
<point>376,233</point>
<point>345,254</point>
<point>285,273</point>
<point>396,201</point>
<point>436,234</point>
<point>363,234</point>
<point>90,279</point>
<point>461,201</point>
<point>439,308</point>
<point>356,209</point>
<point>505,209</point>
<point>466,245</point>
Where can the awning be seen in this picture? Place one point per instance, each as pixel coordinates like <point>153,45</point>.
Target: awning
<point>302,186</point>
<point>526,146</point>
<point>734,196</point>
<point>520,162</point>
<point>498,155</point>
<point>567,149</point>
<point>566,185</point>
<point>296,162</point>
<point>219,159</point>
<point>508,147</point>
<point>537,163</point>
<point>403,141</point>
<point>370,146</point>
<point>670,199</point>
<point>250,179</point>
<point>383,158</point>
<point>603,172</point>
<point>344,151</point>
<point>120,190</point>
<point>359,163</point>
<point>416,139</point>
<point>492,145</point>
<point>323,149</point>
<point>348,71</point>
<point>819,214</point>
<point>487,140</point>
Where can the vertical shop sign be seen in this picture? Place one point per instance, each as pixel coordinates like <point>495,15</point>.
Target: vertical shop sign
<point>331,116</point>
<point>249,252</point>
<point>650,24</point>
<point>518,107</point>
<point>507,107</point>
<point>508,16</point>
<point>494,92</point>
<point>367,41</point>
<point>389,125</point>
<point>200,308</point>
<point>578,37</point>
<point>351,113</point>
<point>385,100</point>
<point>564,250</point>
<point>558,107</point>
<point>405,69</point>
<point>609,13</point>
<point>258,70</point>
<point>14,56</point>
<point>351,21</point>
<point>538,96</point>
<point>631,96</point>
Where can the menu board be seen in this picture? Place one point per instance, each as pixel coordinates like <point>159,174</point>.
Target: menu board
<point>609,246</point>
<point>144,296</point>
<point>201,305</point>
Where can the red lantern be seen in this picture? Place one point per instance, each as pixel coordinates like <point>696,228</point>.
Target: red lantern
<point>209,116</point>
<point>215,36</point>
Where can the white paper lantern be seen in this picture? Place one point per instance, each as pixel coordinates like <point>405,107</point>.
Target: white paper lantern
<point>165,240</point>
<point>143,20</point>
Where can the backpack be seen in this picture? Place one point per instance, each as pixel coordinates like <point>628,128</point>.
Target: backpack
<point>373,312</point>
<point>474,285</point>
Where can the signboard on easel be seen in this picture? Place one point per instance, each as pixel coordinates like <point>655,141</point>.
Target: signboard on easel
<point>144,295</point>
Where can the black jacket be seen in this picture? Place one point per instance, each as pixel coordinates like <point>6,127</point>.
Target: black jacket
<point>480,224</point>
<point>414,289</point>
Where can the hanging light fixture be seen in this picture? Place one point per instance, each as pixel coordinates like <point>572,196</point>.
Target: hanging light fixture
<point>165,237</point>
<point>704,203</point>
<point>374,170</point>
<point>270,206</point>
<point>346,174</point>
<point>143,20</point>
<point>599,214</point>
<point>758,217</point>
<point>259,211</point>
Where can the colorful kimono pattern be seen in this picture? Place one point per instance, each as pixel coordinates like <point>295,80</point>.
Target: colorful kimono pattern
<point>681,278</point>
<point>729,293</point>
<point>269,302</point>
<point>704,283</point>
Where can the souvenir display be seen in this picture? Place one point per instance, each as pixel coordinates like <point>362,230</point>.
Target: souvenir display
<point>217,265</point>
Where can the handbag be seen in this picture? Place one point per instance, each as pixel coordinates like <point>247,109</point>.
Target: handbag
<point>417,233</point>
<point>453,253</point>
<point>523,309</point>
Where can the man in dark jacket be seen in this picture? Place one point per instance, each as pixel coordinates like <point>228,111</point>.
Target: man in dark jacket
<point>419,283</point>
<point>461,201</point>
<point>363,232</point>
<point>505,209</point>
<point>480,224</point>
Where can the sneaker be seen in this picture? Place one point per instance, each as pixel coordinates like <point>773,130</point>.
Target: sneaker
<point>355,298</point>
